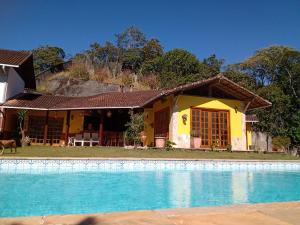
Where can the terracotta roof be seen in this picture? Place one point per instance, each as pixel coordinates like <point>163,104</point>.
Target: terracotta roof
<point>133,99</point>
<point>223,84</point>
<point>136,99</point>
<point>35,101</point>
<point>13,58</point>
<point>106,100</point>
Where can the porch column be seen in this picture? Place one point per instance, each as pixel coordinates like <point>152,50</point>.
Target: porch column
<point>46,127</point>
<point>101,130</point>
<point>68,127</point>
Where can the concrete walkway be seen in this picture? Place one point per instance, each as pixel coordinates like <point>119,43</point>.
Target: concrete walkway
<point>259,214</point>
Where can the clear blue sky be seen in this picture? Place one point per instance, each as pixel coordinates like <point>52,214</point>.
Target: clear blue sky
<point>232,29</point>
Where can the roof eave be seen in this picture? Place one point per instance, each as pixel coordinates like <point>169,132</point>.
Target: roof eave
<point>9,65</point>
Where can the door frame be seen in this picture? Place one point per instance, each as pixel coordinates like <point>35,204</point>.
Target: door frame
<point>209,125</point>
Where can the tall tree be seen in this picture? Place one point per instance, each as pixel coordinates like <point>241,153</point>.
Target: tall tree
<point>132,37</point>
<point>276,64</point>
<point>152,49</point>
<point>214,64</point>
<point>277,71</point>
<point>177,67</point>
<point>132,59</point>
<point>45,57</point>
<point>235,74</point>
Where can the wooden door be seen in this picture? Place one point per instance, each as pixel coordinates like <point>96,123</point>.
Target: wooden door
<point>213,127</point>
<point>161,122</point>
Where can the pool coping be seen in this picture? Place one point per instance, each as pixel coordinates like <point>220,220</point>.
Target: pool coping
<point>279,213</point>
<point>144,159</point>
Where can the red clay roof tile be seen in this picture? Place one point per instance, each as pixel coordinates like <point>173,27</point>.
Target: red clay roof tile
<point>106,100</point>
<point>14,58</point>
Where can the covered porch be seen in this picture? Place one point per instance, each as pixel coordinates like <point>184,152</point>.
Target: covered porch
<point>63,120</point>
<point>103,127</point>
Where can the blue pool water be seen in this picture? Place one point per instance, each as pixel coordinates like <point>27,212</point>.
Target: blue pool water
<point>29,193</point>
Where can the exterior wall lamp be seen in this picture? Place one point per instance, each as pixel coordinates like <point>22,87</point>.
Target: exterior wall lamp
<point>184,118</point>
<point>109,113</point>
<point>235,109</point>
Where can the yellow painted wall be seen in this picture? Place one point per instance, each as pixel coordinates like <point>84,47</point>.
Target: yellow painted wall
<point>76,122</point>
<point>186,102</point>
<point>249,131</point>
<point>149,116</point>
<point>149,124</point>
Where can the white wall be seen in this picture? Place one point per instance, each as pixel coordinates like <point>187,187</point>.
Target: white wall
<point>11,84</point>
<point>3,84</point>
<point>15,84</point>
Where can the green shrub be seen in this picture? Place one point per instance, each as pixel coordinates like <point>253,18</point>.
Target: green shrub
<point>134,128</point>
<point>229,148</point>
<point>169,145</point>
<point>281,143</point>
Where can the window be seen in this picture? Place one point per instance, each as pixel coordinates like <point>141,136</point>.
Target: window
<point>36,128</point>
<point>211,126</point>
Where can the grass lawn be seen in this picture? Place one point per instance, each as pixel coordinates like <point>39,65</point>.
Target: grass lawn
<point>112,152</point>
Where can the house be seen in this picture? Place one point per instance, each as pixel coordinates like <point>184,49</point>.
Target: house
<point>16,74</point>
<point>204,114</point>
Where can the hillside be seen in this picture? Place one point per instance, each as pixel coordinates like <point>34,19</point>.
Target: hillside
<point>63,84</point>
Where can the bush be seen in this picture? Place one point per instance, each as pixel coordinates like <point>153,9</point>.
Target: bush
<point>101,74</point>
<point>127,78</point>
<point>281,143</point>
<point>134,128</point>
<point>169,145</point>
<point>79,71</point>
<point>150,81</point>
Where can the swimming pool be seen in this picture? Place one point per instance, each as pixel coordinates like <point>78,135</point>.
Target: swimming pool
<point>44,187</point>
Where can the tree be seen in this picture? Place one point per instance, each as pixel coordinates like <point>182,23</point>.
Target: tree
<point>135,127</point>
<point>276,64</point>
<point>45,57</point>
<point>132,59</point>
<point>233,73</point>
<point>214,64</point>
<point>277,72</point>
<point>21,117</point>
<point>274,120</point>
<point>152,49</point>
<point>132,37</point>
<point>178,67</point>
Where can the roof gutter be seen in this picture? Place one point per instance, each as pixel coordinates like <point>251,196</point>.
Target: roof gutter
<point>28,108</point>
<point>83,108</point>
<point>63,109</point>
<point>8,65</point>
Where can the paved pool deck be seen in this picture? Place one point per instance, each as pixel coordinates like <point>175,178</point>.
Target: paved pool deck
<point>284,213</point>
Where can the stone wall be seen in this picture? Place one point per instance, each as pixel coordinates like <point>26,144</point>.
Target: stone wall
<point>260,142</point>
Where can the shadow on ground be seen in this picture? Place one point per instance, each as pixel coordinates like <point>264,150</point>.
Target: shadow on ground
<point>86,221</point>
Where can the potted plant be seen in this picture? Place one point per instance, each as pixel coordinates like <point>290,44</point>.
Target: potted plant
<point>160,141</point>
<point>143,137</point>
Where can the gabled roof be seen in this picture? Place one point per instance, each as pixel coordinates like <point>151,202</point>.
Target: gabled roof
<point>13,58</point>
<point>22,62</point>
<point>136,99</point>
<point>222,84</point>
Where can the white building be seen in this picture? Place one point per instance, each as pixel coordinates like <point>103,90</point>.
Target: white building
<point>16,74</point>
